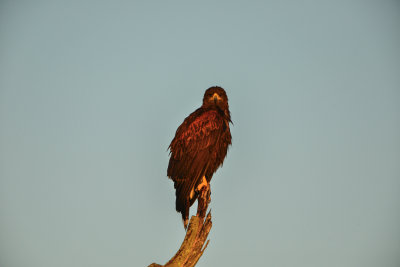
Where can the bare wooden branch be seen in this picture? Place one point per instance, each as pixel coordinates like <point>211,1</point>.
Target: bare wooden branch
<point>194,244</point>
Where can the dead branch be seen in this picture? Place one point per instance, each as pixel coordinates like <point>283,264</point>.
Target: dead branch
<point>194,244</point>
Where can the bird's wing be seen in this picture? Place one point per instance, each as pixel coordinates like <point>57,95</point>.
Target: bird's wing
<point>193,145</point>
<point>191,152</point>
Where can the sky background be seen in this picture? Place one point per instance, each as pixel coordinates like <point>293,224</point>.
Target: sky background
<point>91,93</point>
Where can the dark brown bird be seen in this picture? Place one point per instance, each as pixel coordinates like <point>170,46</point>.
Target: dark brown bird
<point>199,148</point>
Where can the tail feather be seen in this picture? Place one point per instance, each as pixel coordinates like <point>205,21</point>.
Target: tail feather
<point>182,203</point>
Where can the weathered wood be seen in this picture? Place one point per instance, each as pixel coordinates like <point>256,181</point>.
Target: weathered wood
<point>194,243</point>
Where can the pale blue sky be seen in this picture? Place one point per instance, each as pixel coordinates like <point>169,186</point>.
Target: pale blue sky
<point>91,93</point>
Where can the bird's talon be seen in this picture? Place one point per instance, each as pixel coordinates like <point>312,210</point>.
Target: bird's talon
<point>203,183</point>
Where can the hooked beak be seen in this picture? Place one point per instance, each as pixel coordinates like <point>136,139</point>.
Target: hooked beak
<point>216,98</point>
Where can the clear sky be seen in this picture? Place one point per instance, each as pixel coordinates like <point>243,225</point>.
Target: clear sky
<point>91,93</point>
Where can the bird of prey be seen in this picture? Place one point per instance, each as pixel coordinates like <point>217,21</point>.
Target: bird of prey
<point>199,148</point>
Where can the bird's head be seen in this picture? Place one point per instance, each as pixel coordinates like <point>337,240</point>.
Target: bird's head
<point>215,97</point>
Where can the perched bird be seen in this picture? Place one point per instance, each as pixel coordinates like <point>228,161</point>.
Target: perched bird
<point>199,148</point>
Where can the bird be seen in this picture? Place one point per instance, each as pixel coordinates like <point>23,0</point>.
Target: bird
<point>199,148</point>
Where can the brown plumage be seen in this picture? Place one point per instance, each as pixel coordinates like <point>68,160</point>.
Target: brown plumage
<point>199,148</point>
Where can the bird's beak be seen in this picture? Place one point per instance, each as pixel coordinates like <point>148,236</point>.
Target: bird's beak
<point>216,97</point>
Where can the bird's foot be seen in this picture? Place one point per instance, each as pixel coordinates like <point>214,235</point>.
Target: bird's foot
<point>203,183</point>
<point>203,189</point>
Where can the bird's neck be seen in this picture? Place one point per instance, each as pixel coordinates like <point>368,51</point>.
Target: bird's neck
<point>223,113</point>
